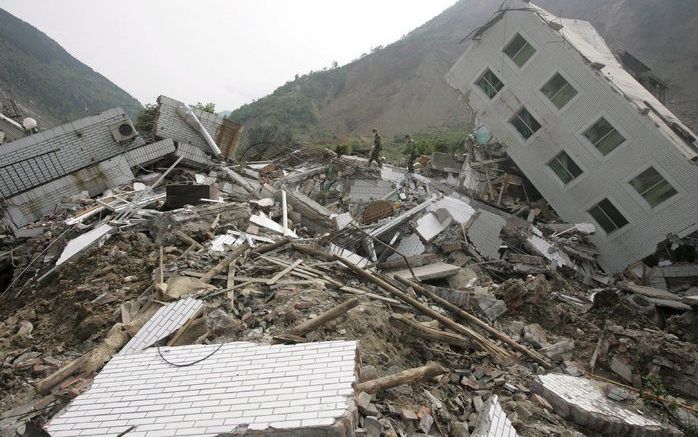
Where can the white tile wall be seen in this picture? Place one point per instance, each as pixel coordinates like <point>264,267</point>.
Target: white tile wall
<point>164,322</point>
<point>282,386</point>
<point>493,421</point>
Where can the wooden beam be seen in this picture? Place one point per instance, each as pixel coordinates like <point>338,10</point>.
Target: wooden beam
<point>409,376</point>
<point>283,272</point>
<point>463,315</point>
<point>325,317</point>
<point>221,266</point>
<point>486,345</point>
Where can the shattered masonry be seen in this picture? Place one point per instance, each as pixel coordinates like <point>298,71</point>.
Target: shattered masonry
<point>159,287</point>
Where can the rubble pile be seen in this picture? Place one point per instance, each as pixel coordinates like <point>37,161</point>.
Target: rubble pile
<point>340,298</point>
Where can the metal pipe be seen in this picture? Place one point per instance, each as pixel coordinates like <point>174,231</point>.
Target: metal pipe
<point>192,120</point>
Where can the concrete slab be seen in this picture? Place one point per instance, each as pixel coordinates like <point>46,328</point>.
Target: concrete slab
<point>397,221</point>
<point>83,242</point>
<point>364,190</point>
<point>164,322</point>
<point>409,246</point>
<point>432,271</point>
<point>484,234</point>
<point>208,390</point>
<point>584,401</point>
<point>460,210</point>
<point>352,257</point>
<point>433,223</point>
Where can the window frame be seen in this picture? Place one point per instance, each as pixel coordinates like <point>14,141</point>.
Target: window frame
<point>535,117</point>
<point>571,83</point>
<point>511,59</point>
<point>482,76</point>
<point>642,201</point>
<point>594,150</point>
<point>618,230</point>
<point>575,179</point>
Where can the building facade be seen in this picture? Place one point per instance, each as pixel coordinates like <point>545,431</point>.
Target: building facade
<point>595,143</point>
<point>88,155</point>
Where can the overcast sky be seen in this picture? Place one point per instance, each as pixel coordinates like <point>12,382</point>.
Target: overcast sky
<point>224,51</point>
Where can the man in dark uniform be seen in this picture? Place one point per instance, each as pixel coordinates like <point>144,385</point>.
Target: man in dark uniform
<point>377,149</point>
<point>410,152</point>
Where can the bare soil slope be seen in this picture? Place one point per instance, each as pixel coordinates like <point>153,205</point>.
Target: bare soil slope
<point>401,88</point>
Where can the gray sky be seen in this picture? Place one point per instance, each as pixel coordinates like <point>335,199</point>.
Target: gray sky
<point>225,51</point>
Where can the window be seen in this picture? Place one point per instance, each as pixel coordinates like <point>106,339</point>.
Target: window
<point>604,136</point>
<point>653,187</point>
<point>519,50</point>
<point>525,123</point>
<point>559,91</point>
<point>564,167</point>
<point>607,216</point>
<point>489,83</point>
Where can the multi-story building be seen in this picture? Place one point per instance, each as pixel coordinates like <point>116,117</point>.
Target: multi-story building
<point>594,142</point>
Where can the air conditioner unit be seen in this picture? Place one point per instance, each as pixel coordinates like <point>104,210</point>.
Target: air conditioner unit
<point>123,131</point>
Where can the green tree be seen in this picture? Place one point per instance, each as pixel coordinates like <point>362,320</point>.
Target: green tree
<point>206,107</point>
<point>145,121</point>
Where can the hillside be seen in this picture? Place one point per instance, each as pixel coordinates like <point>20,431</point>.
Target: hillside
<point>47,82</point>
<point>401,88</point>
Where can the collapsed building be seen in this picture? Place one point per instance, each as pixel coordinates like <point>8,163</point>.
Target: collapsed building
<point>161,284</point>
<point>591,139</point>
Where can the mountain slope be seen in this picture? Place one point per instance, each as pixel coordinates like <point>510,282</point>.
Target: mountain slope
<point>401,88</point>
<point>47,81</point>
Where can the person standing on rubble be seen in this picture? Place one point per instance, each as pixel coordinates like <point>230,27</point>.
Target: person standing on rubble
<point>411,152</point>
<point>375,154</point>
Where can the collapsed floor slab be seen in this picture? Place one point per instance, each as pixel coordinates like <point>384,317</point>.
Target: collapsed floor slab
<point>584,401</point>
<point>213,389</point>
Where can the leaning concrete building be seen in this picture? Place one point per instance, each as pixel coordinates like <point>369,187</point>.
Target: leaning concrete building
<point>594,142</point>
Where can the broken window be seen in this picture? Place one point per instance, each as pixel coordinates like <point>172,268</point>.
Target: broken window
<point>564,167</point>
<point>489,83</point>
<point>653,187</point>
<point>525,123</point>
<point>604,136</point>
<point>559,91</point>
<point>519,50</point>
<point>608,216</point>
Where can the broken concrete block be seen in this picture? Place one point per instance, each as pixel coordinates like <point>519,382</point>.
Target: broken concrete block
<point>372,426</point>
<point>560,351</point>
<point>433,223</point>
<point>584,401</point>
<point>491,307</point>
<point>368,373</point>
<point>465,278</point>
<point>408,415</point>
<point>535,335</point>
<point>484,233</point>
<point>91,238</point>
<point>477,403</point>
<point>622,369</point>
<point>432,271</point>
<point>426,422</point>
